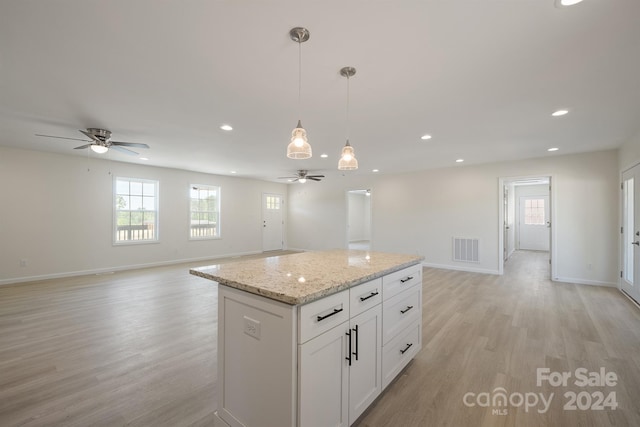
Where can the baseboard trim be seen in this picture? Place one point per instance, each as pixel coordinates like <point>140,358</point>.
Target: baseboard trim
<point>585,282</point>
<point>107,270</point>
<point>460,268</point>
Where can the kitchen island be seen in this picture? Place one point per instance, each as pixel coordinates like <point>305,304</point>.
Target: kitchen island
<point>311,339</point>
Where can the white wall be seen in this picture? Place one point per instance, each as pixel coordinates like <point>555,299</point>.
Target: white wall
<point>359,217</point>
<point>629,153</point>
<point>420,212</point>
<point>58,216</point>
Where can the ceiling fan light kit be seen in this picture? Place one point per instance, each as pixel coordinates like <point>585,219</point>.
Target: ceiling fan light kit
<point>299,147</point>
<point>302,176</point>
<point>100,142</point>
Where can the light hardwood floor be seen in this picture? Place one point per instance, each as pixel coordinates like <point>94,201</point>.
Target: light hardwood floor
<point>139,348</point>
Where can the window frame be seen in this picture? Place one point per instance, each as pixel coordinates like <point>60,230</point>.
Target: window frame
<point>218,226</point>
<point>156,225</point>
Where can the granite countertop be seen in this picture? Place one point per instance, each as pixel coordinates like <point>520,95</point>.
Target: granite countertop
<point>304,277</point>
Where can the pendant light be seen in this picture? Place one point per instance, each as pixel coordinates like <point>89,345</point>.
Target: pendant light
<point>299,147</point>
<point>348,159</point>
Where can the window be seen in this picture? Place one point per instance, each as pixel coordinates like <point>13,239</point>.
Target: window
<point>534,212</point>
<point>205,212</point>
<point>273,202</point>
<point>136,210</point>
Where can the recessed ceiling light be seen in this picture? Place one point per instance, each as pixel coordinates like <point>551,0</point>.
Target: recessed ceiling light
<point>234,172</point>
<point>425,137</point>
<point>553,149</point>
<point>375,170</point>
<point>324,155</point>
<point>226,127</point>
<point>559,113</point>
<point>144,158</point>
<point>459,160</point>
<point>561,3</point>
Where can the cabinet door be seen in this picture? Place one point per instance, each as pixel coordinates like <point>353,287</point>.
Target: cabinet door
<point>324,379</point>
<point>365,372</point>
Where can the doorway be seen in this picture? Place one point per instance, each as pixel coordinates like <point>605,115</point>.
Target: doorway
<point>630,274</point>
<point>272,222</point>
<point>359,219</point>
<point>525,218</point>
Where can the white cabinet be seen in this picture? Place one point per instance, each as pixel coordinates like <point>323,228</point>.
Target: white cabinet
<point>402,325</point>
<point>319,364</point>
<point>324,380</point>
<point>340,371</point>
<point>365,372</point>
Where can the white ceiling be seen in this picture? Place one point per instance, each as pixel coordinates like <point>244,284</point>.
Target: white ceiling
<point>481,76</point>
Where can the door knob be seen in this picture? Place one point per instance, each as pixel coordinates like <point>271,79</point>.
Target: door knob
<point>637,243</point>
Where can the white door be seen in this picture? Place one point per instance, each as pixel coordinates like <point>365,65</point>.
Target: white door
<point>630,280</point>
<point>272,223</point>
<point>534,223</point>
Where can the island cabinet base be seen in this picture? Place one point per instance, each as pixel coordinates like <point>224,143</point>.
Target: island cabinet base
<point>317,364</point>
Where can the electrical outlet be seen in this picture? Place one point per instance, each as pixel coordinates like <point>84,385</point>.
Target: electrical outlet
<point>252,327</point>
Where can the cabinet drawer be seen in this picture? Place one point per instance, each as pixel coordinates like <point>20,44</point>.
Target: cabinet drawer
<point>321,315</point>
<point>400,311</point>
<point>365,296</point>
<point>394,283</point>
<point>399,352</point>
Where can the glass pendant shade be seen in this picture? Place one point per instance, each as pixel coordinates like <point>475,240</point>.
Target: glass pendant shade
<point>348,159</point>
<point>100,149</point>
<point>299,147</point>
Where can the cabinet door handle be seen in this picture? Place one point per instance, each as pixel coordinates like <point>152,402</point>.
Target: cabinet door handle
<point>406,348</point>
<point>335,311</point>
<point>348,333</point>
<point>373,294</point>
<point>355,353</point>
<point>409,307</point>
<point>406,279</point>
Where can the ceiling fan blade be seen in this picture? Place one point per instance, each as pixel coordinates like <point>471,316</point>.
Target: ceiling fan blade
<point>92,137</point>
<point>287,177</point>
<point>82,146</point>
<point>313,178</point>
<point>130,144</point>
<point>62,137</point>
<point>124,150</point>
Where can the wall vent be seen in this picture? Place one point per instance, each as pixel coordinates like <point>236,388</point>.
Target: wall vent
<point>465,250</point>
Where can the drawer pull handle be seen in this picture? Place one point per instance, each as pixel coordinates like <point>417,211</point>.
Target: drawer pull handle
<point>355,353</point>
<point>406,279</point>
<point>406,348</point>
<point>349,356</point>
<point>335,311</point>
<point>373,294</point>
<point>409,307</point>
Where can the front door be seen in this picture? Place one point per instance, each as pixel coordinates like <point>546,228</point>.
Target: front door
<point>272,224</point>
<point>630,280</point>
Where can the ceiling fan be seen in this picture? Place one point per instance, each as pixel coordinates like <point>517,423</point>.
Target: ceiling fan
<point>100,141</point>
<point>302,176</point>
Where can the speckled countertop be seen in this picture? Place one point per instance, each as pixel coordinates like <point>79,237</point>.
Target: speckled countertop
<point>304,277</point>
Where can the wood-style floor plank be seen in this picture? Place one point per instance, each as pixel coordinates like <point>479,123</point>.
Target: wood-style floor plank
<point>138,348</point>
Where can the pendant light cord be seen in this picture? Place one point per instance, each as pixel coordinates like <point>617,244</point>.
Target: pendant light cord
<point>348,107</point>
<point>299,78</point>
